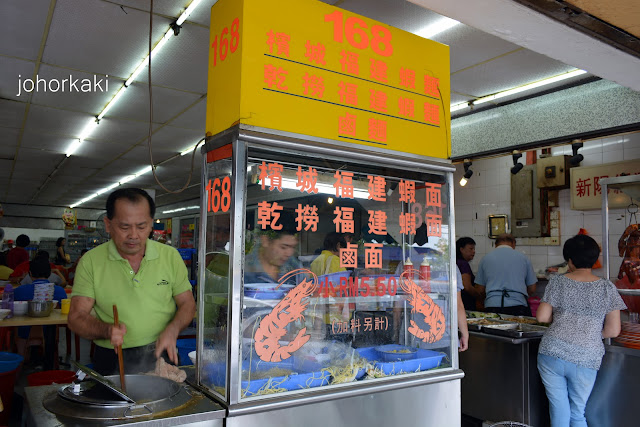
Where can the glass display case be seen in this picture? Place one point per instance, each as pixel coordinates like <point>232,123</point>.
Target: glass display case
<point>323,269</point>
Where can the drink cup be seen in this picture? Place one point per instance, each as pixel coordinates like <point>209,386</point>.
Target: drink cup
<point>65,304</point>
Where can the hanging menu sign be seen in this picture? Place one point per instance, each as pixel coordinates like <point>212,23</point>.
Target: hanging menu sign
<point>305,67</point>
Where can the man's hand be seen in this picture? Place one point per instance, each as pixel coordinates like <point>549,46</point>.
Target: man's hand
<point>117,334</point>
<point>464,342</point>
<point>167,341</point>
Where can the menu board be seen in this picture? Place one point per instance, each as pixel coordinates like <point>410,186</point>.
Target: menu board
<point>305,67</point>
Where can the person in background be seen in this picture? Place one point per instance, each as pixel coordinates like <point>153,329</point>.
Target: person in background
<point>329,261</point>
<point>19,254</point>
<point>62,258</point>
<point>5,271</point>
<point>147,281</point>
<point>582,309</point>
<point>273,255</point>
<point>55,276</point>
<point>506,278</point>
<point>465,251</point>
<point>463,343</point>
<point>71,271</point>
<point>40,270</point>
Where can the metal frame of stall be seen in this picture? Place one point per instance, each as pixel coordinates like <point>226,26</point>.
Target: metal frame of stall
<point>614,392</point>
<point>431,397</point>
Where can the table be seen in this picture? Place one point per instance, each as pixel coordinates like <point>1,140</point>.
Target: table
<point>55,318</point>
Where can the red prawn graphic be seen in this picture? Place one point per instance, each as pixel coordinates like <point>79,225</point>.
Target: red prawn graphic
<point>423,304</point>
<point>273,326</point>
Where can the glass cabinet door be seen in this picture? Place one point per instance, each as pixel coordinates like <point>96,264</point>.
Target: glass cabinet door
<point>345,275</point>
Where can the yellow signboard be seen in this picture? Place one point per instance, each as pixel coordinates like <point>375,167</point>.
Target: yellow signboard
<point>305,67</point>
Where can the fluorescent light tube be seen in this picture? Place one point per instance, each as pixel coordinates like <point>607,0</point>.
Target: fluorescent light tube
<point>457,107</point>
<point>109,188</point>
<point>188,12</point>
<point>529,86</point>
<point>112,102</point>
<point>147,169</point>
<point>442,25</point>
<point>73,147</point>
<point>127,179</point>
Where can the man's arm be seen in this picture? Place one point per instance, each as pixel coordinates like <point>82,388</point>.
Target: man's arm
<point>84,324</point>
<point>531,289</point>
<point>183,318</point>
<point>462,325</point>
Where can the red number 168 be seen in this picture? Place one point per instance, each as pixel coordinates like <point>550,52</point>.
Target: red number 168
<point>354,29</point>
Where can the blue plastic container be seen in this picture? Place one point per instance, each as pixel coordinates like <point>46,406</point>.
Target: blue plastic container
<point>425,359</point>
<point>396,352</point>
<point>185,346</point>
<point>9,361</point>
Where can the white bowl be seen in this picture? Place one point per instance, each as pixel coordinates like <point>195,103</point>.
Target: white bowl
<point>20,308</point>
<point>192,356</point>
<point>4,312</point>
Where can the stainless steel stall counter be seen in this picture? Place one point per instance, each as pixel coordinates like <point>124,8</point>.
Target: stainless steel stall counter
<point>200,411</point>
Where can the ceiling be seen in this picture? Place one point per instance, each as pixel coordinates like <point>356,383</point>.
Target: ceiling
<point>85,38</point>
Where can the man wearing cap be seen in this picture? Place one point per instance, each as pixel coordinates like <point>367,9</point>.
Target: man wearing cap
<point>146,280</point>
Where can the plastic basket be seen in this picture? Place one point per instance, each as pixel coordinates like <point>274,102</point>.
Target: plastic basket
<point>9,361</point>
<point>50,377</point>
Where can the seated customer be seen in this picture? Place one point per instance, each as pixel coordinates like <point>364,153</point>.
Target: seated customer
<point>22,271</point>
<point>40,271</point>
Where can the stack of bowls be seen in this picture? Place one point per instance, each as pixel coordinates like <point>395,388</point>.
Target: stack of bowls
<point>20,308</point>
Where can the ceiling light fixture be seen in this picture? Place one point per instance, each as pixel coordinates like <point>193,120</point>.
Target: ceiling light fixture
<point>576,158</point>
<point>180,209</point>
<point>517,167</point>
<point>457,107</point>
<point>440,26</point>
<point>467,172</point>
<point>529,86</point>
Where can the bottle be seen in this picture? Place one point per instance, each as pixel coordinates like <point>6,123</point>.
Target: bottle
<point>425,273</point>
<point>7,299</point>
<point>408,266</point>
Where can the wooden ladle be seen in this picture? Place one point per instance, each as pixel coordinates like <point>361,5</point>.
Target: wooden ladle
<point>119,350</point>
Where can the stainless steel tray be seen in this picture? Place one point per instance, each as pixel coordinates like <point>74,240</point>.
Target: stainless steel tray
<point>474,325</point>
<point>515,330</point>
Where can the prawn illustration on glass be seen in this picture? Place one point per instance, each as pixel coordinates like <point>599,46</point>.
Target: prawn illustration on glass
<point>422,303</point>
<point>273,326</point>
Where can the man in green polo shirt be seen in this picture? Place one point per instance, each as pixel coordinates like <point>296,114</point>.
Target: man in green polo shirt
<point>145,279</point>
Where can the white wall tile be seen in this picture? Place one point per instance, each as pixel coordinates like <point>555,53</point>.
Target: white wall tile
<point>632,153</point>
<point>540,262</point>
<point>612,156</point>
<point>632,140</point>
<point>524,249</point>
<point>539,250</point>
<point>464,228</point>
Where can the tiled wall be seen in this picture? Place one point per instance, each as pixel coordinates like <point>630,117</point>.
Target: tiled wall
<point>489,192</point>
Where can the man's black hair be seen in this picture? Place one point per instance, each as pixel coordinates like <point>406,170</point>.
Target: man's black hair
<point>582,250</point>
<point>134,195</point>
<point>42,254</point>
<point>23,241</point>
<point>39,268</point>
<point>461,243</point>
<point>332,240</point>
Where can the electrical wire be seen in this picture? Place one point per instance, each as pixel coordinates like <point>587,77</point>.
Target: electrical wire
<point>193,155</point>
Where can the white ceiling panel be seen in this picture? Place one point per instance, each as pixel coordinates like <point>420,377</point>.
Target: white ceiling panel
<point>54,121</point>
<point>183,61</point>
<point>105,39</point>
<point>98,152</point>
<point>164,7</point>
<point>173,139</point>
<point>37,159</point>
<point>22,26</point>
<point>126,132</point>
<point>13,71</point>
<point>11,113</point>
<point>90,92</point>
<point>167,103</point>
<point>8,142</point>
<point>498,75</point>
<point>468,46</point>
<point>193,118</point>
<point>140,154</point>
<point>41,141</point>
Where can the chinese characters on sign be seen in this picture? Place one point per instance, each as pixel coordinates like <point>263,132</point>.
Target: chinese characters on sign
<point>307,217</point>
<point>586,190</point>
<point>356,325</point>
